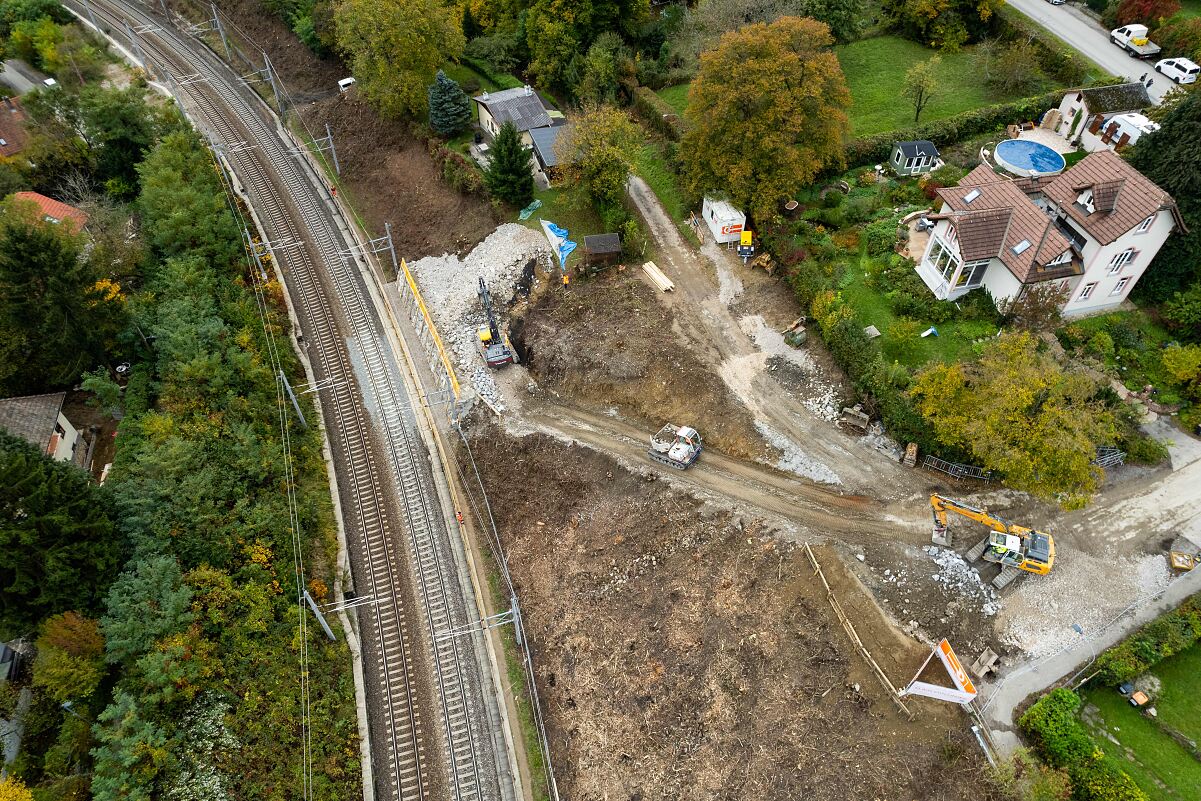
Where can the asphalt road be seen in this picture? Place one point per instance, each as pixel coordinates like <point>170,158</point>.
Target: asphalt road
<point>1086,35</point>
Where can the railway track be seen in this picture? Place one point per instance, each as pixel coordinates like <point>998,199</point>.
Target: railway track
<point>383,466</point>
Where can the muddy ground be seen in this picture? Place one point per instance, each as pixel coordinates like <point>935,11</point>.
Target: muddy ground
<point>387,173</point>
<point>607,343</point>
<point>685,652</point>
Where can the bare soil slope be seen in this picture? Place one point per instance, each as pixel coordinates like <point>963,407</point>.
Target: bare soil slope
<point>684,653</point>
<point>606,342</point>
<point>386,171</point>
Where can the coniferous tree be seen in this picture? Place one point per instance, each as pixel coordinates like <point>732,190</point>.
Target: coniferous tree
<point>509,177</point>
<point>450,111</point>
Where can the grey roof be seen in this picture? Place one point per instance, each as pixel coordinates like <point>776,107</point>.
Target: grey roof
<point>602,243</point>
<point>521,106</point>
<point>918,147</point>
<point>544,144</point>
<point>32,417</point>
<point>1119,97</point>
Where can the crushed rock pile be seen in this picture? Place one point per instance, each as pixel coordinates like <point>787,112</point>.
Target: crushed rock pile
<point>450,286</point>
<point>794,460</point>
<point>816,392</point>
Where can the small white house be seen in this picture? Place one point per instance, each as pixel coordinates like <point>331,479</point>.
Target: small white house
<point>1093,230</point>
<point>521,106</point>
<point>725,222</point>
<point>39,420</point>
<point>1085,114</point>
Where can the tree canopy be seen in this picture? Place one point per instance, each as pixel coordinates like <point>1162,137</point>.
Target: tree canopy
<point>559,33</point>
<point>1016,411</point>
<point>450,110</point>
<point>597,154</point>
<point>59,548</point>
<point>509,177</point>
<point>1171,159</point>
<point>767,113</point>
<point>394,46</point>
<point>943,24</point>
<point>920,85</point>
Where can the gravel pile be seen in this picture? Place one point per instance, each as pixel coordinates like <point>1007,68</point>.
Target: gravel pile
<point>1088,590</point>
<point>794,460</point>
<point>956,574</point>
<point>816,394</point>
<point>450,286</point>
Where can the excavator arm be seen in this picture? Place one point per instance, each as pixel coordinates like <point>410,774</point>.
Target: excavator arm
<point>939,506</point>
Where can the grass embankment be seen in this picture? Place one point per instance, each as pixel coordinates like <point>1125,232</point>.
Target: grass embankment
<point>1161,766</point>
<point>676,97</point>
<point>875,70</point>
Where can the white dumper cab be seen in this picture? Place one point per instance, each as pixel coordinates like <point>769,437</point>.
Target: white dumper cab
<point>1133,39</point>
<point>675,446</point>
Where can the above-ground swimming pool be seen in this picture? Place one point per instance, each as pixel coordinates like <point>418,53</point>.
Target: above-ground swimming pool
<point>1027,158</point>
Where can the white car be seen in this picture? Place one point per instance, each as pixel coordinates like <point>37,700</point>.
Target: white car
<point>1180,70</point>
<point>1056,2</point>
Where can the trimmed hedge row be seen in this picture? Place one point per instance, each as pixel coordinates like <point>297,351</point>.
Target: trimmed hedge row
<point>949,131</point>
<point>1167,635</point>
<point>503,80</point>
<point>656,113</point>
<point>1052,726</point>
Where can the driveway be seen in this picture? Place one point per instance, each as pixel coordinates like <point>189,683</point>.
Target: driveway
<point>1086,35</point>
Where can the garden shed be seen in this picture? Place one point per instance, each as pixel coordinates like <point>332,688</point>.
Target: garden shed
<point>600,251</point>
<point>915,157</point>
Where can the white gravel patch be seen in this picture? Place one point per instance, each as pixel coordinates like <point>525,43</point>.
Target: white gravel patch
<point>795,460</point>
<point>729,285</point>
<point>956,574</point>
<point>1084,589</point>
<point>821,396</point>
<point>450,286</point>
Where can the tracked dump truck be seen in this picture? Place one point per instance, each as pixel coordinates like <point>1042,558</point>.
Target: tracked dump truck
<point>1017,549</point>
<point>494,346</point>
<point>675,446</point>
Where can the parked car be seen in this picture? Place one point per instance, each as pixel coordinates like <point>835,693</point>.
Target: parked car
<point>1056,2</point>
<point>1133,39</point>
<point>1180,70</point>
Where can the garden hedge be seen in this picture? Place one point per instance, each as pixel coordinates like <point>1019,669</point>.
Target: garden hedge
<point>656,113</point>
<point>1165,636</point>
<point>1063,742</point>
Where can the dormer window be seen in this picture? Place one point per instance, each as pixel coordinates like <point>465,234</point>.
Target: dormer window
<point>1062,258</point>
<point>1145,225</point>
<point>1085,200</point>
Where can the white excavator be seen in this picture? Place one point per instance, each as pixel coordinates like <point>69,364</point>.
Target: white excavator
<point>676,446</point>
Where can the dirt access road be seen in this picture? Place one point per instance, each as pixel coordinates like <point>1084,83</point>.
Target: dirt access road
<point>701,303</point>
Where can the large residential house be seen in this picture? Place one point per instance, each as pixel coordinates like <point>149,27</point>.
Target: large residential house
<point>1093,230</point>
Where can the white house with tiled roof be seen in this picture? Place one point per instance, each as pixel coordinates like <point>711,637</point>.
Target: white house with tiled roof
<point>1093,230</point>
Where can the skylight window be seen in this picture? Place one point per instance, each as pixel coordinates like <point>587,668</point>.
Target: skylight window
<point>970,196</point>
<point>1020,247</point>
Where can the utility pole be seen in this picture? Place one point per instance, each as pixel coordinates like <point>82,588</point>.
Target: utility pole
<point>221,30</point>
<point>329,137</point>
<point>88,7</point>
<point>320,617</point>
<point>137,48</point>
<point>279,98</point>
<point>292,397</point>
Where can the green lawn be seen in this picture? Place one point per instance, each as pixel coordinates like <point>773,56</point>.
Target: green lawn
<point>875,69</point>
<point>677,96</point>
<point>1158,759</point>
<point>566,210</point>
<point>954,340</point>
<point>1190,8</point>
<point>1180,704</point>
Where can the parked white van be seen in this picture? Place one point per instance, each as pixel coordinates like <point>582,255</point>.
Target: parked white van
<point>1180,70</point>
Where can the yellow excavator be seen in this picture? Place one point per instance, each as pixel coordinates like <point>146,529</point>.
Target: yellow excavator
<point>1015,548</point>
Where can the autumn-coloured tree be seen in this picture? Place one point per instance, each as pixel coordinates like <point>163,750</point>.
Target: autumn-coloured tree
<point>1016,411</point>
<point>13,789</point>
<point>597,151</point>
<point>767,113</point>
<point>944,24</point>
<point>1148,12</point>
<point>920,85</point>
<point>394,46</point>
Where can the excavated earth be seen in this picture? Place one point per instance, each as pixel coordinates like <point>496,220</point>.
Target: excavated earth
<point>682,651</point>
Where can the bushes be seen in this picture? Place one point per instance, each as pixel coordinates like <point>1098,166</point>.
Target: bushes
<point>457,169</point>
<point>880,237</point>
<point>1062,741</point>
<point>878,147</point>
<point>1165,636</point>
<point>654,111</point>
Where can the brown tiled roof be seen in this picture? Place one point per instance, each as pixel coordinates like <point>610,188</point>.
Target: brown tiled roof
<point>981,233</point>
<point>1136,198</point>
<point>1001,203</point>
<point>32,417</point>
<point>13,135</point>
<point>54,210</point>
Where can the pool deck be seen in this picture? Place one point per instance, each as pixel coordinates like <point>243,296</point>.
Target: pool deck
<point>1048,138</point>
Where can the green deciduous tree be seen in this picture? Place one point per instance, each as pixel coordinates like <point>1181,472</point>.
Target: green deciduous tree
<point>450,110</point>
<point>559,33</point>
<point>1170,158</point>
<point>1183,312</point>
<point>597,154</point>
<point>767,113</point>
<point>59,549</point>
<point>395,45</point>
<point>70,660</point>
<point>608,72</point>
<point>509,175</point>
<point>52,310</point>
<point>921,85</point>
<point>944,24</point>
<point>1016,411</point>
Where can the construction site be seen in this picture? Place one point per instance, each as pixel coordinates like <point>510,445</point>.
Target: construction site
<point>731,581</point>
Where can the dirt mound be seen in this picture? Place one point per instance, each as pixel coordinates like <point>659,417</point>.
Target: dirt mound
<point>606,342</point>
<point>684,653</point>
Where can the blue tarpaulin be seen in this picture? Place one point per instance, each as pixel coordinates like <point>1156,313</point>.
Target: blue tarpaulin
<point>559,241</point>
<point>529,210</point>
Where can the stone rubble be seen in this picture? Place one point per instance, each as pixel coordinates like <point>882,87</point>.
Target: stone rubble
<point>450,286</point>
